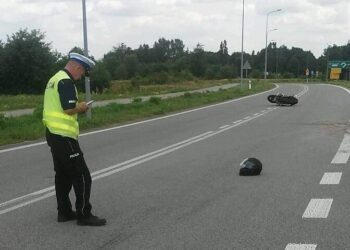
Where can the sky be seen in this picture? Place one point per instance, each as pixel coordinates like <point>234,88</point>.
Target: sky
<point>308,24</point>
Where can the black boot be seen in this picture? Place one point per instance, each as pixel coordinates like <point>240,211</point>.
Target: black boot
<point>66,217</point>
<point>91,220</point>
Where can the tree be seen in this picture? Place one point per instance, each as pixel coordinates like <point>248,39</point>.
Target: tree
<point>131,63</point>
<point>223,53</point>
<point>161,50</point>
<point>114,59</point>
<point>197,61</point>
<point>29,63</point>
<point>100,78</point>
<point>176,49</point>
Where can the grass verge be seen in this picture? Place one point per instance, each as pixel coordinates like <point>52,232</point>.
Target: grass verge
<point>30,127</point>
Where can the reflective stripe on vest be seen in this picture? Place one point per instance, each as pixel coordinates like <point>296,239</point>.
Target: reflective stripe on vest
<point>54,118</point>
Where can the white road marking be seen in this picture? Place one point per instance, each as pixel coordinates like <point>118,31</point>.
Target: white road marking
<point>104,170</point>
<point>124,165</point>
<point>318,208</point>
<point>121,166</point>
<point>141,122</point>
<point>293,246</point>
<point>247,117</point>
<point>343,153</point>
<point>306,89</point>
<point>256,114</point>
<point>225,126</point>
<point>26,203</point>
<point>331,178</point>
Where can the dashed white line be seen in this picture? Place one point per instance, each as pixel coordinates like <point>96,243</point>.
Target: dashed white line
<point>318,208</point>
<point>331,178</point>
<point>246,118</point>
<point>256,114</point>
<point>343,153</point>
<point>293,246</point>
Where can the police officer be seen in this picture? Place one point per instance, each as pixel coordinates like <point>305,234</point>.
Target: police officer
<point>61,108</point>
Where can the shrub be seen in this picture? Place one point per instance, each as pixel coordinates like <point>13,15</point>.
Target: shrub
<point>155,100</point>
<point>188,95</point>
<point>38,111</point>
<point>137,100</point>
<point>288,75</point>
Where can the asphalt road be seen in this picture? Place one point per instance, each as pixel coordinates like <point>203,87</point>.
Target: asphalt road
<point>173,183</point>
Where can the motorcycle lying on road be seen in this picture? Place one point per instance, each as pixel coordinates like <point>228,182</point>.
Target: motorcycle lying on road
<point>282,100</point>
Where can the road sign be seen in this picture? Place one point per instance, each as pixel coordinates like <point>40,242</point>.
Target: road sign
<point>307,72</point>
<point>339,64</point>
<point>247,65</point>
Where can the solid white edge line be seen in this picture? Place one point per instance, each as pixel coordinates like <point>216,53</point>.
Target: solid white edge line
<point>145,121</point>
<point>114,169</point>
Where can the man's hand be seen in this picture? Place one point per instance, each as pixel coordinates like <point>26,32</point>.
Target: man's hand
<point>82,107</point>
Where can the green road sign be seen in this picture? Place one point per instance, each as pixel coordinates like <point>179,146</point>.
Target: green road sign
<point>339,64</point>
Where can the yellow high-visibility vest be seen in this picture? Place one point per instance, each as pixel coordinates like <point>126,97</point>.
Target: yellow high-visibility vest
<point>54,118</point>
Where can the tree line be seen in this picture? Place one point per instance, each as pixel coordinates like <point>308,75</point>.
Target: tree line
<point>27,62</point>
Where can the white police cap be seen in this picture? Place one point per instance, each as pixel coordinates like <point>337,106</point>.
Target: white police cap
<point>86,62</point>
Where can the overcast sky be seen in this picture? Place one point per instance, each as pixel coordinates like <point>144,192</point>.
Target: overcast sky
<point>307,24</point>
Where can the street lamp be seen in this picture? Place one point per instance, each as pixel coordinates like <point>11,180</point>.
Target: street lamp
<point>267,23</point>
<point>242,46</point>
<point>86,53</point>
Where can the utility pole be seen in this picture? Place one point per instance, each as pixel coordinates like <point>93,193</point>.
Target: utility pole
<point>242,46</point>
<point>86,53</point>
<point>327,59</point>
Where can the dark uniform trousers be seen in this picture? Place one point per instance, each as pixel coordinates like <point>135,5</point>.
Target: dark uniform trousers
<point>71,170</point>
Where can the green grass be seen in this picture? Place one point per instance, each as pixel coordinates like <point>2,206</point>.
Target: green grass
<point>118,89</point>
<point>30,127</point>
<point>10,102</point>
<point>123,89</point>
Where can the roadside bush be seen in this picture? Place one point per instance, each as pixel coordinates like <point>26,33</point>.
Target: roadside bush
<point>155,100</point>
<point>137,100</point>
<point>137,81</point>
<point>38,111</point>
<point>188,95</point>
<point>255,74</point>
<point>288,75</point>
<point>159,77</point>
<point>184,75</point>
<point>2,121</point>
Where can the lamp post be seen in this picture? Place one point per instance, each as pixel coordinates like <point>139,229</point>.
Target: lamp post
<point>242,46</point>
<point>86,53</point>
<point>267,24</point>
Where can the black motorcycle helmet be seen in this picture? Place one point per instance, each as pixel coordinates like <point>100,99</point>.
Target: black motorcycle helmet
<point>250,166</point>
